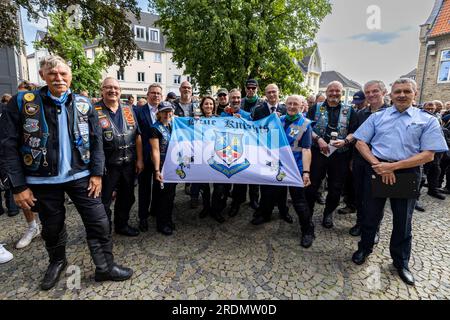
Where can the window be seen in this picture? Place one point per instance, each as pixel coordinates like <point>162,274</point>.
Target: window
<point>120,75</point>
<point>140,55</point>
<point>189,79</point>
<point>153,35</point>
<point>139,33</point>
<point>444,69</point>
<point>141,77</point>
<point>158,77</point>
<point>177,79</point>
<point>158,57</point>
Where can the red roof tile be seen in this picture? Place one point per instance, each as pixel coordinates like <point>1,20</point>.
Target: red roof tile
<point>442,24</point>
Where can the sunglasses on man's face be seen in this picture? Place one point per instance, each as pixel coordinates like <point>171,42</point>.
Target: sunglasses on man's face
<point>251,88</point>
<point>222,95</point>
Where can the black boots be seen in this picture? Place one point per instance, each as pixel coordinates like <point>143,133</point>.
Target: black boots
<point>58,263</point>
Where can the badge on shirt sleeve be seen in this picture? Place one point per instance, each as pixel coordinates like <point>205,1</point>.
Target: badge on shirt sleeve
<point>28,97</point>
<point>83,107</point>
<point>31,125</point>
<point>108,135</point>
<point>28,159</point>
<point>31,109</point>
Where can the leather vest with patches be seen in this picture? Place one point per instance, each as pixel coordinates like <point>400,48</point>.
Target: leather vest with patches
<point>119,144</point>
<point>35,135</point>
<point>321,119</point>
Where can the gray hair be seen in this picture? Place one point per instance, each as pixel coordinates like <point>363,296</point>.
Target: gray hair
<point>50,62</point>
<point>406,81</point>
<point>379,83</point>
<point>233,91</point>
<point>296,96</point>
<point>109,78</point>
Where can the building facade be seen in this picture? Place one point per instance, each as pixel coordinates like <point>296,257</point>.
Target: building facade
<point>311,66</point>
<point>433,71</point>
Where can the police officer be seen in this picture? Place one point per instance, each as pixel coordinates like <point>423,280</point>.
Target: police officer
<point>332,119</point>
<point>52,144</point>
<point>271,195</point>
<point>122,145</point>
<point>402,138</point>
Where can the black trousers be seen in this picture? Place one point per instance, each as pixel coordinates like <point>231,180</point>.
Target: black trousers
<point>359,168</point>
<point>272,196</point>
<point>402,212</point>
<point>336,168</point>
<point>9,201</point>
<point>52,213</point>
<point>239,193</point>
<point>145,190</point>
<point>301,208</point>
<point>163,203</point>
<point>120,179</point>
<point>349,190</point>
<point>433,172</point>
<point>445,171</point>
<point>219,197</point>
<point>205,190</point>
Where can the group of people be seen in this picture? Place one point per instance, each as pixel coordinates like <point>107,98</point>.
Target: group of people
<point>55,142</point>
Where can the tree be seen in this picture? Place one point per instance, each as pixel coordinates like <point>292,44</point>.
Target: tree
<point>225,42</point>
<point>66,41</point>
<point>106,21</point>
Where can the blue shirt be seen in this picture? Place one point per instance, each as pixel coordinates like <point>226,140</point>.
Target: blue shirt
<point>396,136</point>
<point>244,114</point>
<point>65,156</point>
<point>117,118</point>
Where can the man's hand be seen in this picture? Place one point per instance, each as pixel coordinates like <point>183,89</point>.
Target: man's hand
<point>306,180</point>
<point>384,168</point>
<point>338,144</point>
<point>324,148</point>
<point>139,166</point>
<point>388,178</point>
<point>25,199</point>
<point>95,186</point>
<point>158,176</point>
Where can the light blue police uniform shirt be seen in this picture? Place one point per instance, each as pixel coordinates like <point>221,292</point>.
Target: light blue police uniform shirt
<point>396,136</point>
<point>65,156</point>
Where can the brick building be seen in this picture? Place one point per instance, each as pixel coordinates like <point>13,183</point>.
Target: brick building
<point>433,73</point>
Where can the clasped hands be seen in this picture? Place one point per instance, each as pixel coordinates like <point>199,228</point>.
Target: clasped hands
<point>386,171</point>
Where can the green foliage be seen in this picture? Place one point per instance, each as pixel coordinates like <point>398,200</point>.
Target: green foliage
<point>106,20</point>
<point>66,41</point>
<point>225,42</point>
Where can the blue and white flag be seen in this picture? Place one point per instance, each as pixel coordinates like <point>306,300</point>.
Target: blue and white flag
<point>230,150</point>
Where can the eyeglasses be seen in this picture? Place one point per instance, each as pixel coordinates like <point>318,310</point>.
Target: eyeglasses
<point>251,88</point>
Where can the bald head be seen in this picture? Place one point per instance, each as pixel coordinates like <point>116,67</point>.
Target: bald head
<point>185,92</point>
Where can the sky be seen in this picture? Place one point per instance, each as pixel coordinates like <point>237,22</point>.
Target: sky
<point>385,51</point>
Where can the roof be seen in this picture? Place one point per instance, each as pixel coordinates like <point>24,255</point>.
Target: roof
<point>148,20</point>
<point>329,76</point>
<point>31,56</point>
<point>434,12</point>
<point>411,74</point>
<point>441,25</point>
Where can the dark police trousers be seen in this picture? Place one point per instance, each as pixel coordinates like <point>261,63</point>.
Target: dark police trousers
<point>239,193</point>
<point>52,213</point>
<point>219,197</point>
<point>335,168</point>
<point>163,203</point>
<point>272,196</point>
<point>120,179</point>
<point>145,190</point>
<point>359,168</point>
<point>402,212</point>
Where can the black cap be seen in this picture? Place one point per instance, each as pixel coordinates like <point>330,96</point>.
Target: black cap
<point>251,82</point>
<point>359,97</point>
<point>171,95</point>
<point>164,106</point>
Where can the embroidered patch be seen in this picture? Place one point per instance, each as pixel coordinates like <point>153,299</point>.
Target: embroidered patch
<point>28,159</point>
<point>128,116</point>
<point>31,109</point>
<point>35,153</point>
<point>104,122</point>
<point>108,135</point>
<point>83,107</point>
<point>345,112</point>
<point>34,142</point>
<point>31,125</point>
<point>28,97</point>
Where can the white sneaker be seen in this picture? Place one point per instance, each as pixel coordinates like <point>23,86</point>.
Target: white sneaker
<point>29,235</point>
<point>5,255</point>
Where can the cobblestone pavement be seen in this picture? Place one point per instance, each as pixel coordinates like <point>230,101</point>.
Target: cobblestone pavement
<point>236,260</point>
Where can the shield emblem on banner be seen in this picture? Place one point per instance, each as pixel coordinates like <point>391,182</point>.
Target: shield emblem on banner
<point>228,147</point>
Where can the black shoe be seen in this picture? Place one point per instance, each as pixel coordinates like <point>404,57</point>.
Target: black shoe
<point>12,213</point>
<point>234,210</point>
<point>194,203</point>
<point>166,230</point>
<point>117,273</point>
<point>218,217</point>
<point>258,220</point>
<point>445,191</point>
<point>307,240</point>
<point>328,221</point>
<point>204,213</point>
<point>436,195</point>
<point>286,217</point>
<point>406,276</point>
<point>53,273</point>
<point>419,207</point>
<point>346,210</point>
<point>254,204</point>
<point>376,240</point>
<point>359,257</point>
<point>143,225</point>
<point>128,231</point>
<point>321,200</point>
<point>355,231</point>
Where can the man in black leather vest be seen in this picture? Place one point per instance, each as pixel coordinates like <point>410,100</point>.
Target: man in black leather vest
<point>122,145</point>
